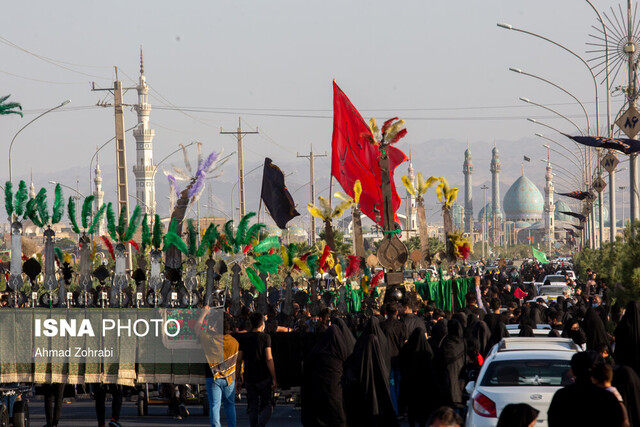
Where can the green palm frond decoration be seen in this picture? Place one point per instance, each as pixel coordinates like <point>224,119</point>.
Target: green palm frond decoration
<point>7,108</point>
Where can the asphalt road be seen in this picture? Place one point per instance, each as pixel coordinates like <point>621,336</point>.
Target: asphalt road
<point>81,413</point>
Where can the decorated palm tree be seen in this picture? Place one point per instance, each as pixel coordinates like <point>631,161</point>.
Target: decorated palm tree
<point>327,214</point>
<point>84,242</point>
<point>180,200</point>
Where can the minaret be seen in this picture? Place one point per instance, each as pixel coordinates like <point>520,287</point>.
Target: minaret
<point>549,207</point>
<point>467,170</point>
<point>144,168</point>
<point>32,188</point>
<point>411,205</point>
<point>495,195</point>
<point>98,195</point>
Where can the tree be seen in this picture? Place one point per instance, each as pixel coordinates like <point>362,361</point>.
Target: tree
<point>435,245</point>
<point>7,108</point>
<point>341,247</point>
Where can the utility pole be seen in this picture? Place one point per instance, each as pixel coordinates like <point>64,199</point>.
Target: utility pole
<point>631,98</point>
<point>622,188</point>
<point>239,134</point>
<point>311,157</point>
<point>121,152</point>
<point>484,187</point>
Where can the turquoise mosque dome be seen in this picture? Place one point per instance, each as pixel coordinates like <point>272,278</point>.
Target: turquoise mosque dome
<point>273,230</point>
<point>561,206</point>
<point>489,213</point>
<point>523,201</point>
<point>605,214</point>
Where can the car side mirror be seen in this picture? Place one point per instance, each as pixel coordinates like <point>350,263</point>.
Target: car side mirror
<point>469,387</point>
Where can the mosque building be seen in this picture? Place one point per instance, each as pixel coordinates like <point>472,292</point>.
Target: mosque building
<point>525,216</point>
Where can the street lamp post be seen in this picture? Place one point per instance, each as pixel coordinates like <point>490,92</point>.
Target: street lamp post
<point>566,49</point>
<point>595,85</point>
<point>622,188</point>
<point>548,147</point>
<point>96,153</point>
<point>79,194</point>
<point>23,127</point>
<point>528,101</point>
<point>584,110</point>
<point>566,149</point>
<point>586,180</point>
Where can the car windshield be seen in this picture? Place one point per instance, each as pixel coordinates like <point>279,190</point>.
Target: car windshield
<point>555,278</point>
<point>527,373</point>
<point>552,290</point>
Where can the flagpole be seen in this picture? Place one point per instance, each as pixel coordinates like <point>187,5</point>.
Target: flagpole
<point>330,189</point>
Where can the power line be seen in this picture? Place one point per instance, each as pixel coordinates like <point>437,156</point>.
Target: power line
<point>42,81</point>
<point>479,107</point>
<point>305,116</point>
<point>53,62</point>
<point>16,46</point>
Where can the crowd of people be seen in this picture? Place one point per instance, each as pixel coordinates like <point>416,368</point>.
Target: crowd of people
<point>403,358</point>
<point>410,359</point>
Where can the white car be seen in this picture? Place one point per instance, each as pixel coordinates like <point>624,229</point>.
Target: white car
<point>552,292</point>
<point>554,279</point>
<point>541,330</point>
<point>519,370</point>
<point>571,273</point>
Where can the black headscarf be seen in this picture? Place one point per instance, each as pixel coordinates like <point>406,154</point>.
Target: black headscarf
<point>417,380</point>
<point>517,415</point>
<point>462,318</point>
<point>347,335</point>
<point>482,334</point>
<point>627,335</point>
<point>578,337</point>
<point>321,392</point>
<point>373,327</point>
<point>438,332</point>
<point>536,314</point>
<point>627,382</point>
<point>594,329</point>
<point>472,319</point>
<point>450,358</point>
<point>367,400</point>
<point>526,331</point>
<point>498,332</point>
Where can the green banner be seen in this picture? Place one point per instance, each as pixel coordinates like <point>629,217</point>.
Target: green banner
<point>540,256</point>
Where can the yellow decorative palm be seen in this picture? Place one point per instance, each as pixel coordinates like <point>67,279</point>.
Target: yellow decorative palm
<point>446,194</point>
<point>358,242</point>
<point>357,192</point>
<point>327,214</point>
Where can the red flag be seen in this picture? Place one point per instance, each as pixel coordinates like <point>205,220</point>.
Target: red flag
<point>519,293</point>
<point>353,157</point>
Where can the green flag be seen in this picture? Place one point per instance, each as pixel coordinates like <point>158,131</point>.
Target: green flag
<point>540,256</point>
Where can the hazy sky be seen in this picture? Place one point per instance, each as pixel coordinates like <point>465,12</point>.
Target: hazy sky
<point>441,65</point>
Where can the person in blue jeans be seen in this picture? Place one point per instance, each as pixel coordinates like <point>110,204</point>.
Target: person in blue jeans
<point>222,365</point>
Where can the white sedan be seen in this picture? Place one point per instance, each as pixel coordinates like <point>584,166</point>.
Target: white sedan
<point>519,370</point>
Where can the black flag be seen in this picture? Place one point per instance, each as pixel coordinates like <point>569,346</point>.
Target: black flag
<point>624,145</point>
<point>275,195</point>
<point>581,217</point>
<point>527,159</point>
<point>579,195</point>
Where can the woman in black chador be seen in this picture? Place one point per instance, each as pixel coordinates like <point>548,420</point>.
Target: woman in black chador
<point>367,400</point>
<point>449,360</point>
<point>417,387</point>
<point>321,392</point>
